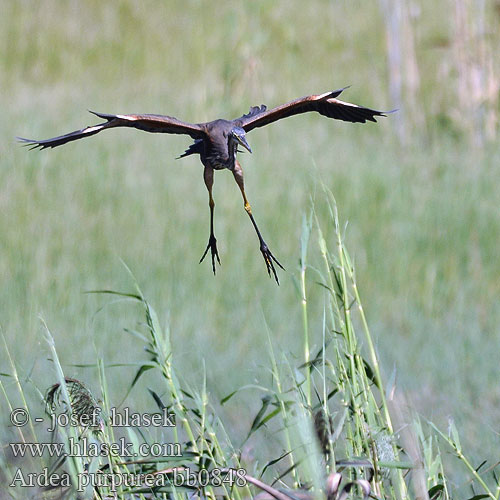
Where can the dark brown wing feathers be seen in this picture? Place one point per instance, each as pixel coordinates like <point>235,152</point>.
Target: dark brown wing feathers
<point>254,110</point>
<point>62,139</point>
<point>325,104</point>
<point>148,123</point>
<point>154,123</point>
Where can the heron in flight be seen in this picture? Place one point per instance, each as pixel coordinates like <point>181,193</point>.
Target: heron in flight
<point>217,144</point>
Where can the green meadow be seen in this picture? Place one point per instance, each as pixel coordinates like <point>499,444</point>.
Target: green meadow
<point>420,220</point>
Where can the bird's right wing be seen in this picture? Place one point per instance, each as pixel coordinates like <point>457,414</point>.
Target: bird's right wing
<point>149,123</point>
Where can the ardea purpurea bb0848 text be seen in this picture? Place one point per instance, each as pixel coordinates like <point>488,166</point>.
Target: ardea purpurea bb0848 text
<point>217,144</point>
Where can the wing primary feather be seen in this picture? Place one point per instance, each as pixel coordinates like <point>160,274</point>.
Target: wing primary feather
<point>63,139</point>
<point>30,143</point>
<point>336,93</point>
<point>104,116</point>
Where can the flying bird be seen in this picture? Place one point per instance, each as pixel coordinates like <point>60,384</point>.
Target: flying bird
<point>217,144</point>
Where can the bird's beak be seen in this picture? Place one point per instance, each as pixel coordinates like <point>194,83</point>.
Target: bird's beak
<point>244,143</point>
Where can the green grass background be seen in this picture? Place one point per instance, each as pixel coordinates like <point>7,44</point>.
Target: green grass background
<point>423,221</point>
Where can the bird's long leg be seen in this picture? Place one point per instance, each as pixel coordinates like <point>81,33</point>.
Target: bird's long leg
<point>208,175</point>
<point>268,256</point>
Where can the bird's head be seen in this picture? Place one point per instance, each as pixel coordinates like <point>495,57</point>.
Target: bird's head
<point>238,135</point>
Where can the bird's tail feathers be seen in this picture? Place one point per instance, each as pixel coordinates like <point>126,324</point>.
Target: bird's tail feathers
<point>195,148</point>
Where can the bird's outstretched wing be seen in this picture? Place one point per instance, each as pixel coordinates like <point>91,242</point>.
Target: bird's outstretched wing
<point>149,123</point>
<point>325,104</point>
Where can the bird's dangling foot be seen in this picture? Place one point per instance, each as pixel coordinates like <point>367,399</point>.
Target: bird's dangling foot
<point>269,258</point>
<point>212,246</point>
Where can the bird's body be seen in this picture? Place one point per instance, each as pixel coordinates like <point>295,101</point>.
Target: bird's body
<point>219,151</point>
<point>217,142</point>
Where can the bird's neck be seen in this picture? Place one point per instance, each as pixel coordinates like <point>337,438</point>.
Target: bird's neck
<point>232,150</point>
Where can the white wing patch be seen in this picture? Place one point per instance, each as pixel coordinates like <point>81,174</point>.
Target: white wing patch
<point>88,130</point>
<point>343,103</point>
<point>322,96</point>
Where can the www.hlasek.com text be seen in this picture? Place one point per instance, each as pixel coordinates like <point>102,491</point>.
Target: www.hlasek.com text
<point>87,447</point>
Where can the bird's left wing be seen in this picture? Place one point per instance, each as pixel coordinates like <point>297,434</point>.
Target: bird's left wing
<point>148,123</point>
<point>325,104</point>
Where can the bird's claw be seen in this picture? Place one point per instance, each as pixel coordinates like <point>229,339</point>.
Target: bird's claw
<point>270,258</point>
<point>212,246</point>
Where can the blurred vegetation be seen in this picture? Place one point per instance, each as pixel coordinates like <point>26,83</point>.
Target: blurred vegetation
<point>328,426</point>
<point>420,195</point>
